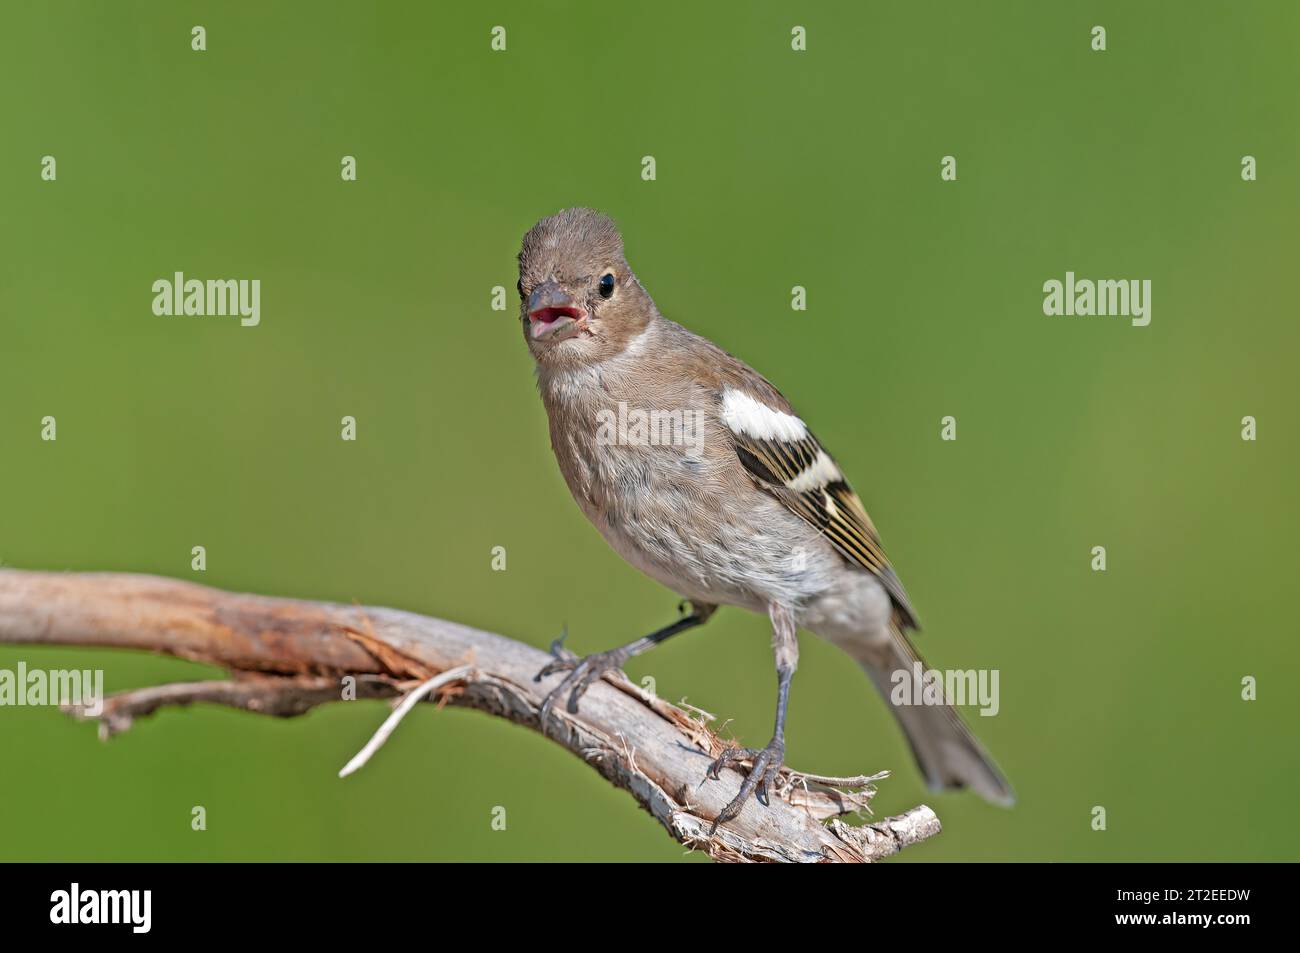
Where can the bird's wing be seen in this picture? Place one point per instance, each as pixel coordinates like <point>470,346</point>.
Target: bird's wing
<point>786,460</point>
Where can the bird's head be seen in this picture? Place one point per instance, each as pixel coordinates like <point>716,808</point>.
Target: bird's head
<point>580,303</point>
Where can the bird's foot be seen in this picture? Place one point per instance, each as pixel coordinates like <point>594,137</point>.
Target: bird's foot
<point>582,673</point>
<point>766,767</point>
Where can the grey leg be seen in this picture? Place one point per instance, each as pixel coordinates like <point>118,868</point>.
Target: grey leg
<point>584,672</point>
<point>766,761</point>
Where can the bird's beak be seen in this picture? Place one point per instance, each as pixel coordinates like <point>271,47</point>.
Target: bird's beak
<point>553,313</point>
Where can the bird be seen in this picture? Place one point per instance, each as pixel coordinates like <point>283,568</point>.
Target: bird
<point>699,473</point>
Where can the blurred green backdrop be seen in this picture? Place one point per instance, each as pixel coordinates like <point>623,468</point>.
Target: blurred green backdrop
<point>775,168</point>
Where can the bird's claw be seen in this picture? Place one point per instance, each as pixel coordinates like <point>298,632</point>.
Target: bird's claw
<point>583,672</point>
<point>765,769</point>
<point>564,659</point>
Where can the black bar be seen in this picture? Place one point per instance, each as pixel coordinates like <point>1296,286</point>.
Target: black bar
<point>956,904</point>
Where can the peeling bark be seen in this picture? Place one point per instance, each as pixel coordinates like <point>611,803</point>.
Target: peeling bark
<point>286,656</point>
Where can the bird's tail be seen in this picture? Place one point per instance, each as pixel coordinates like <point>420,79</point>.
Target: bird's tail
<point>945,750</point>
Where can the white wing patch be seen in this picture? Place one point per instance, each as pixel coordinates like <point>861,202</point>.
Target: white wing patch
<point>822,471</point>
<point>745,415</point>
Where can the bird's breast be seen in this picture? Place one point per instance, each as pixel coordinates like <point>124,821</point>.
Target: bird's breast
<point>669,500</point>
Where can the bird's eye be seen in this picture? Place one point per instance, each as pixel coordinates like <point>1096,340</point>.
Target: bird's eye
<point>606,285</point>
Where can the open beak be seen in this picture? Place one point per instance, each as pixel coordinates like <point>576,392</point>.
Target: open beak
<point>553,313</point>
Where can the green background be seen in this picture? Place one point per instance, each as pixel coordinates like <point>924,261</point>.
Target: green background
<point>775,168</point>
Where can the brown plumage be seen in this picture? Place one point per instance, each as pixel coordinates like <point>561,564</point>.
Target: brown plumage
<point>727,498</point>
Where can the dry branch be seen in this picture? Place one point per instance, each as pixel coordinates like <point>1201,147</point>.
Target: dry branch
<point>286,656</point>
